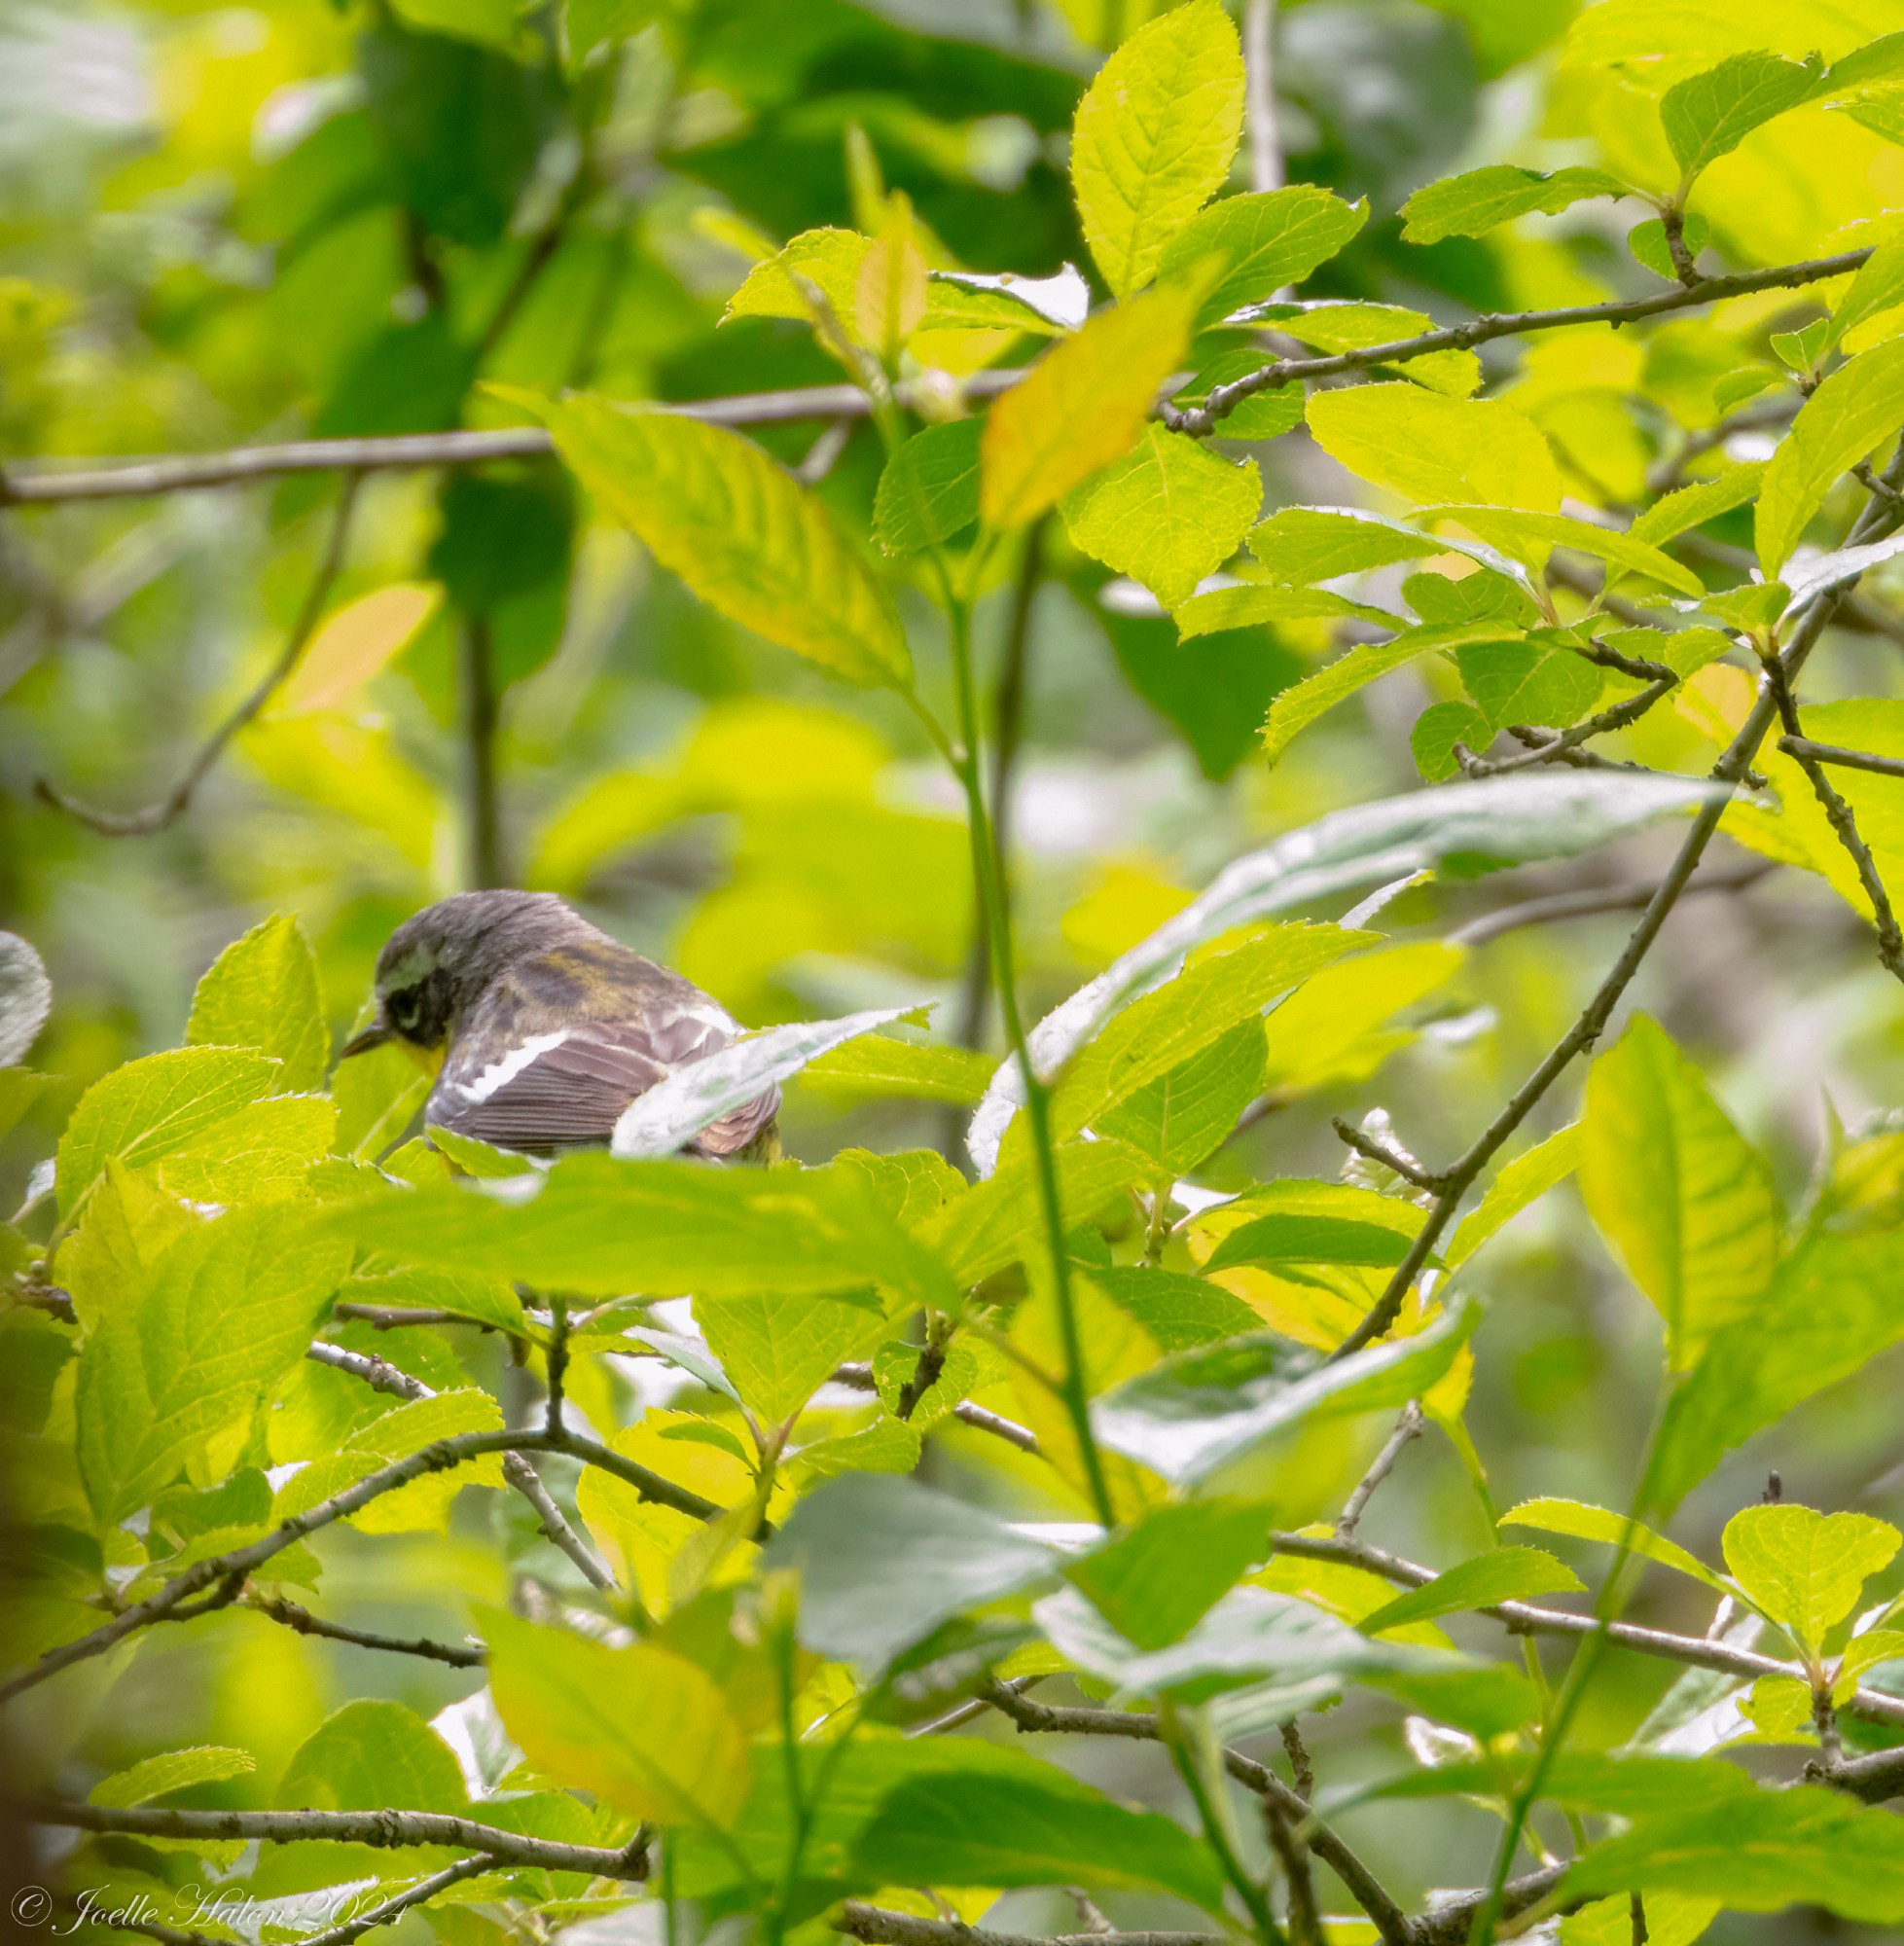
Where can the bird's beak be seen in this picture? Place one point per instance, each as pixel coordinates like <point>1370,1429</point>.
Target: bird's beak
<point>376,1034</point>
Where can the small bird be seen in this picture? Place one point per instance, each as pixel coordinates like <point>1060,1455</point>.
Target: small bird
<point>548,1028</point>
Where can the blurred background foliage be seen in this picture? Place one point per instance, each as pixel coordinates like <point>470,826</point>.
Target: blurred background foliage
<point>226,225</point>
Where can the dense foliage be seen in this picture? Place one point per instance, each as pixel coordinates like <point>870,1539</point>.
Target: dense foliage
<point>1474,576</point>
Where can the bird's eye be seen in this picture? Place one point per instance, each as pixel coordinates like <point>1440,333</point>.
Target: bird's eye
<point>402,1007</point>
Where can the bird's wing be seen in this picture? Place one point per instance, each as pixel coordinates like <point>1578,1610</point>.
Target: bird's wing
<point>567,1088</point>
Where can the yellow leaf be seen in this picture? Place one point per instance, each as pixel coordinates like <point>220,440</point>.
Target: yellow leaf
<point>357,643</point>
<point>1083,405</point>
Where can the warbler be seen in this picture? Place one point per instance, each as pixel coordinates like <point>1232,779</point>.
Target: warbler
<point>548,1027</point>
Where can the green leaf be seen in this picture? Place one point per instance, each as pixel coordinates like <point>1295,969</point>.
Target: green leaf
<point>1307,701</point>
<point>1649,247</point>
<point>664,1119</point>
<point>1832,1308</point>
<point>1002,1220</point>
<point>1291,1238</point>
<point>738,529</point>
<point>1082,405</point>
<point>1183,1117</point>
<point>230,1308</point>
<point>1177,1311</point>
<point>929,491</point>
<point>1154,137</point>
<point>1154,1583</point>
<point>1482,199</point>
<point>1300,545</point>
<point>910,1185</point>
<point>878,1065</point>
<point>1693,506</point>
<point>151,1107</point>
<point>160,1776</point>
<point>19,1088</point>
<point>1252,605</point>
<point>1708,115</point>
<point>1591,1523</point>
<point>1803,1570</point>
<point>829,260</point>
<point>1527,537</point>
<point>377,1095</point>
<point>422,1506</point>
<point>262,992</point>
<point>1857,409</point>
<point>490,1303</point>
<point>1188,1014</point>
<point>1199,1410</point>
<point>261,1154</point>
<point>601,1228</point>
<point>1489,1702</point>
<point>779,1349</point>
<point>1684,1200</point>
<point>887,1446</point>
<point>882,1561</point>
<point>1263,241</point>
<point>1027,1823</point>
<point>368,1755</point>
<point>1167,513</point>
<point>1877,287</point>
<point>1761,1851</point>
<point>1251,1633</point>
<point>1523,1182</point>
<point>1515,819</point>
<point>1335,1028</point>
<point>1438,728</point>
<point>1672,1919</point>
<point>1523,682</point>
<point>644,1728</point>
<point>1507,1574</point>
<point>1437,451</point>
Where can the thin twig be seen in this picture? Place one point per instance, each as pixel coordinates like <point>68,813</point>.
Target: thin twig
<point>1406,1428</point>
<point>860,1377</point>
<point>95,482</point>
<point>1366,1144</point>
<point>157,815</point>
<point>1546,747</point>
<point>1803,748</point>
<point>1526,1618</point>
<point>881,1928</point>
<point>1362,1884</point>
<point>385,1829</point>
<point>289,1615</point>
<point>1629,897</point>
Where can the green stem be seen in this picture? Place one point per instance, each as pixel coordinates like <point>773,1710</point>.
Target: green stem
<point>1217,1827</point>
<point>988,871</point>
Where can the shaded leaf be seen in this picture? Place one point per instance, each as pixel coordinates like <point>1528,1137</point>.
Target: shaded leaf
<point>1482,199</point>
<point>929,491</point>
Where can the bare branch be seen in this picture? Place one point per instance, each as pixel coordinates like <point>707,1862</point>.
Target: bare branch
<point>156,816</point>
<point>1875,1778</point>
<point>291,1617</point>
<point>1366,1144</point>
<point>1362,1884</point>
<point>1803,748</point>
<point>881,1927</point>
<point>385,1829</point>
<point>1525,1618</point>
<point>1406,1427</point>
<point>860,1377</point>
<point>1629,897</point>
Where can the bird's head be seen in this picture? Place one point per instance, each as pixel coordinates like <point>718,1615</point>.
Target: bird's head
<point>434,966</point>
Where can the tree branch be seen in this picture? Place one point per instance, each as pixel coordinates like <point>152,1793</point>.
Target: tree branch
<point>384,1829</point>
<point>1525,1618</point>
<point>291,1617</point>
<point>881,1927</point>
<point>156,816</point>
<point>1598,899</point>
<point>1406,1427</point>
<point>1803,748</point>
<point>860,1377</point>
<point>1362,1884</point>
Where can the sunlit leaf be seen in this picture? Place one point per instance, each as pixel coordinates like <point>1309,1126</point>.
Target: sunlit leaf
<point>1708,115</point>
<point>1506,1574</point>
<point>1263,241</point>
<point>929,491</point>
<point>1437,451</point>
<point>1482,199</point>
<point>1805,1569</point>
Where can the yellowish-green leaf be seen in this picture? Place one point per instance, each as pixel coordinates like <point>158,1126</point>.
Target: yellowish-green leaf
<point>1857,411</point>
<point>829,260</point>
<point>1504,1575</point>
<point>1354,327</point>
<point>1672,1919</point>
<point>641,1727</point>
<point>1524,1181</point>
<point>1083,405</point>
<point>890,296</point>
<point>1437,451</point>
<point>1863,1652</point>
<point>1003,1219</point>
<point>1251,605</point>
<point>738,529</point>
<point>262,992</point>
<point>1877,287</point>
<point>1265,243</point>
<point>1686,1203</point>
<point>878,1065</point>
<point>1708,115</point>
<point>1803,1570</point>
<point>157,1777</point>
<point>1693,506</point>
<point>423,1505</point>
<point>357,643</point>
<point>1155,136</point>
<point>779,1349</point>
<point>1167,513</point>
<point>1527,537</point>
<point>1482,199</point>
<point>1590,1523</point>
<point>929,491</point>
<point>1333,1027</point>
